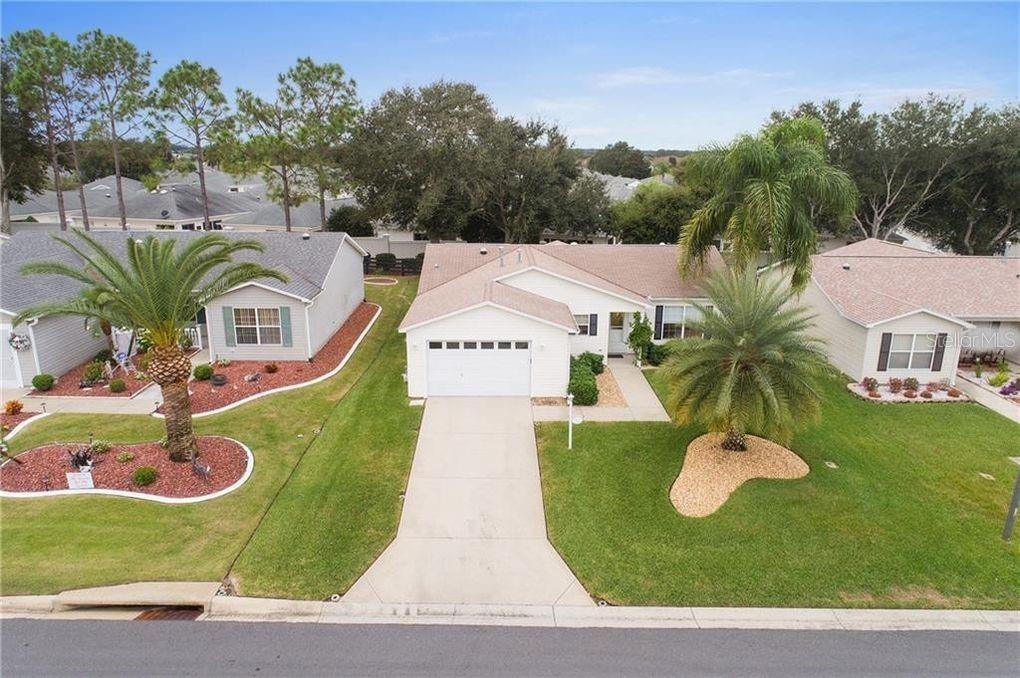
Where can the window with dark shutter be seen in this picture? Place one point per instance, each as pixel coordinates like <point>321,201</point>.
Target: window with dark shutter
<point>940,351</point>
<point>593,325</point>
<point>658,322</point>
<point>883,352</point>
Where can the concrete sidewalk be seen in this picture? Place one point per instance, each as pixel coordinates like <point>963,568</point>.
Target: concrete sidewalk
<point>473,526</point>
<point>642,403</point>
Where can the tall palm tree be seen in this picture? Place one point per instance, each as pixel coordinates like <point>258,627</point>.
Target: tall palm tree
<point>159,288</point>
<point>754,369</point>
<point>766,191</point>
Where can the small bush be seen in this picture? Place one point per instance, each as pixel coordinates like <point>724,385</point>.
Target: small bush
<point>998,379</point>
<point>163,442</point>
<point>895,385</point>
<point>144,475</point>
<point>594,361</point>
<point>43,382</point>
<point>978,370</point>
<point>203,372</point>
<point>926,394</point>
<point>271,368</point>
<point>186,342</point>
<point>910,393</point>
<point>934,386</point>
<point>911,384</point>
<point>582,383</point>
<point>117,386</point>
<point>143,362</point>
<point>13,407</point>
<point>874,394</point>
<point>104,356</point>
<point>100,446</point>
<point>223,362</point>
<point>953,393</point>
<point>869,383</point>
<point>655,353</point>
<point>125,457</point>
<point>386,261</point>
<point>93,372</point>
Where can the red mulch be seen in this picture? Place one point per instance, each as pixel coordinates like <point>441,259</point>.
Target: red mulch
<point>205,396</point>
<point>227,459</point>
<point>67,384</point>
<point>9,421</point>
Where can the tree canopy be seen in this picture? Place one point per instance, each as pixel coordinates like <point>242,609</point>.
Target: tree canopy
<point>655,213</point>
<point>621,159</point>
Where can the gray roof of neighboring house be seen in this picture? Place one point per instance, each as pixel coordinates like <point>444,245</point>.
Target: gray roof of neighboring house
<point>305,215</point>
<point>215,180</point>
<point>178,203</point>
<point>305,262</point>
<point>617,188</point>
<point>98,194</point>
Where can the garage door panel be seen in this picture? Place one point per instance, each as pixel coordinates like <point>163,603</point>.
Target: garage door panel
<point>478,368</point>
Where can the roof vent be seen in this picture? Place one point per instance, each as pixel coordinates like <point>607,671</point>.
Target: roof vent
<point>306,236</point>
<point>483,251</point>
<point>846,267</point>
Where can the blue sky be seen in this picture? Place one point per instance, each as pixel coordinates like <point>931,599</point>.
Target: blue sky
<point>655,75</point>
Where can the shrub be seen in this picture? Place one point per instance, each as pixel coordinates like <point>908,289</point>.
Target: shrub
<point>978,370</point>
<point>163,442</point>
<point>271,368</point>
<point>895,385</point>
<point>655,353</point>
<point>1011,389</point>
<point>143,362</point>
<point>144,475</point>
<point>43,382</point>
<point>13,407</point>
<point>223,362</point>
<point>870,383</point>
<point>998,379</point>
<point>926,394</point>
<point>594,361</point>
<point>953,393</point>
<point>386,261</point>
<point>117,386</point>
<point>911,384</point>
<point>203,372</point>
<point>351,219</point>
<point>104,356</point>
<point>934,386</point>
<point>582,383</point>
<point>874,394</point>
<point>910,393</point>
<point>124,457</point>
<point>100,446</point>
<point>93,372</point>
<point>186,342</point>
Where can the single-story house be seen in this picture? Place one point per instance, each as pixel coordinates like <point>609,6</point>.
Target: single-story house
<point>505,319</point>
<point>261,320</point>
<point>887,310</point>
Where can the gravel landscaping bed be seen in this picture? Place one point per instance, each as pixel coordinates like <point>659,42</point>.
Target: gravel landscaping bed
<point>44,468</point>
<point>205,396</point>
<point>882,394</point>
<point>9,421</point>
<point>67,384</point>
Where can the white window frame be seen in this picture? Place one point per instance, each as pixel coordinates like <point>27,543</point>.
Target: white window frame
<point>258,326</point>
<point>583,321</point>
<point>914,350</point>
<point>683,319</point>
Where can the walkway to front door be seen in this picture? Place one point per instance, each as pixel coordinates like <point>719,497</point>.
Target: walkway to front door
<point>473,526</point>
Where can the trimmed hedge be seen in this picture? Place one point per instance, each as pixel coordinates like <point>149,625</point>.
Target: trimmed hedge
<point>43,382</point>
<point>203,372</point>
<point>117,386</point>
<point>144,475</point>
<point>582,383</point>
<point>655,353</point>
<point>594,361</point>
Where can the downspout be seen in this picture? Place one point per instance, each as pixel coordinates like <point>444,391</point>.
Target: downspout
<point>308,332</point>
<point>208,333</point>
<point>35,353</point>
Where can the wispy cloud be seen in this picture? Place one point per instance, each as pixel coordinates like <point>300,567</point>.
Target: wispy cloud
<point>639,76</point>
<point>444,38</point>
<point>563,104</point>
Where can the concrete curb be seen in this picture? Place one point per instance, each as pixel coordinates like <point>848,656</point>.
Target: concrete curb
<point>17,429</point>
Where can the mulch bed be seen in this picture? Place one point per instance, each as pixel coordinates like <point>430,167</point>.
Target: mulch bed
<point>205,396</point>
<point>67,384</point>
<point>44,468</point>
<point>9,421</point>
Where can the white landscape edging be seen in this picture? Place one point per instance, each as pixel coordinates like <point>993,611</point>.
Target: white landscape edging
<point>17,429</point>
<point>141,495</point>
<point>291,387</point>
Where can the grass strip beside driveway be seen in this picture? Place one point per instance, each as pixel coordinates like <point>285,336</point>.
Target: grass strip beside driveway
<point>49,545</point>
<point>904,521</point>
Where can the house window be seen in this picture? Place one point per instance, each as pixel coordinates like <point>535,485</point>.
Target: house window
<point>675,321</point>
<point>616,321</point>
<point>582,323</point>
<point>503,345</point>
<point>257,326</point>
<point>488,345</point>
<point>435,344</point>
<point>470,344</point>
<point>911,351</point>
<point>453,344</point>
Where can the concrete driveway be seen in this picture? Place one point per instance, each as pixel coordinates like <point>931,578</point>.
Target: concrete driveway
<point>473,527</point>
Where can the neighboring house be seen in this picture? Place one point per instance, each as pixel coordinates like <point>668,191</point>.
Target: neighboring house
<point>505,319</point>
<point>269,216</point>
<point>886,310</point>
<point>176,208</point>
<point>263,320</point>
<point>99,194</point>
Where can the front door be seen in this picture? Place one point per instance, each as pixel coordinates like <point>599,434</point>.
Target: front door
<point>618,324</point>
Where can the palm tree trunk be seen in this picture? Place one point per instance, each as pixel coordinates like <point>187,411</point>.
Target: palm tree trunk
<point>735,441</point>
<point>180,437</point>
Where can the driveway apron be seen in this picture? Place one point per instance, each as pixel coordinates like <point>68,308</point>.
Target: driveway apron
<point>472,529</point>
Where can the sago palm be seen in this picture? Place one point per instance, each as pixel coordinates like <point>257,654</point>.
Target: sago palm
<point>755,369</point>
<point>766,190</point>
<point>159,285</point>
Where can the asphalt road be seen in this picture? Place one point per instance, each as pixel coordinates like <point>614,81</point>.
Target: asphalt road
<point>182,648</point>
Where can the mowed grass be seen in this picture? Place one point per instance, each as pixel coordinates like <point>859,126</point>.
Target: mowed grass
<point>49,545</point>
<point>904,521</point>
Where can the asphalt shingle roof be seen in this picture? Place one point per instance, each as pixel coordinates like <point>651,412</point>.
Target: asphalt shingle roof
<point>177,203</point>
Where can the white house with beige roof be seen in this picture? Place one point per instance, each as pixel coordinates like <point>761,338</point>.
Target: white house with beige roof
<point>887,311</point>
<point>505,319</point>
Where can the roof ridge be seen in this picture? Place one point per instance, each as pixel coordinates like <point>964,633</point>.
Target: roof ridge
<point>462,273</point>
<point>600,277</point>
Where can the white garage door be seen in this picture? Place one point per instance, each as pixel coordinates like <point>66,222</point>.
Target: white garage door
<point>467,368</point>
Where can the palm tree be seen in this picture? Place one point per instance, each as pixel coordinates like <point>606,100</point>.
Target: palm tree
<point>754,369</point>
<point>158,288</point>
<point>766,192</point>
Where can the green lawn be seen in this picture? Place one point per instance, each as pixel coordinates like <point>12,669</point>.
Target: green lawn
<point>330,502</point>
<point>905,521</point>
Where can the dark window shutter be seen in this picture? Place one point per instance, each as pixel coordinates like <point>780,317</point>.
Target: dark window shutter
<point>593,324</point>
<point>228,326</point>
<point>658,322</point>
<point>285,333</point>
<point>883,353</point>
<point>940,352</point>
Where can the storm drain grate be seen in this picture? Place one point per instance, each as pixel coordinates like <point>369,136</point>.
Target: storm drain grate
<point>170,613</point>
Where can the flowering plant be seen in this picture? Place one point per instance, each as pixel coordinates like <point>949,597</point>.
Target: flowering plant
<point>19,342</point>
